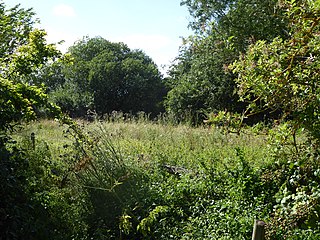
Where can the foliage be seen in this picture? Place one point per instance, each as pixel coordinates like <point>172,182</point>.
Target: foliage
<point>24,53</point>
<point>30,196</point>
<point>112,185</point>
<point>124,172</point>
<point>38,205</point>
<point>13,32</point>
<point>72,99</point>
<point>21,101</point>
<point>244,20</point>
<point>282,75</point>
<point>225,120</point>
<point>199,82</point>
<point>110,76</point>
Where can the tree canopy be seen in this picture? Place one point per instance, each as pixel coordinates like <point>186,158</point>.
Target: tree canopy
<point>284,74</point>
<point>23,49</point>
<point>108,77</point>
<point>199,80</point>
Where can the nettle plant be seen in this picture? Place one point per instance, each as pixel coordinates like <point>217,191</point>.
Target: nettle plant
<point>283,75</point>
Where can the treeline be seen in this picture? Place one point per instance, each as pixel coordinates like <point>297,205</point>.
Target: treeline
<point>99,76</point>
<point>102,76</point>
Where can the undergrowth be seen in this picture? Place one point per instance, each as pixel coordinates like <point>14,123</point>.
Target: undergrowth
<point>144,180</point>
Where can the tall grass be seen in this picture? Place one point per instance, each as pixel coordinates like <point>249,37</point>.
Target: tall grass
<point>147,180</point>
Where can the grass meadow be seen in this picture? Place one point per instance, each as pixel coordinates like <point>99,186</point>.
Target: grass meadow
<point>139,179</point>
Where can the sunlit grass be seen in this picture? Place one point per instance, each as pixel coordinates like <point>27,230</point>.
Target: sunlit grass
<point>151,143</point>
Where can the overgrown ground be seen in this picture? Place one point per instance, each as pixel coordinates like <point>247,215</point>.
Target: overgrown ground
<point>143,180</point>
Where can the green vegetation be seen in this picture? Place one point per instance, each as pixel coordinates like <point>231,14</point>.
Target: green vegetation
<point>251,71</point>
<point>101,76</point>
<point>281,75</point>
<point>199,82</point>
<point>143,180</point>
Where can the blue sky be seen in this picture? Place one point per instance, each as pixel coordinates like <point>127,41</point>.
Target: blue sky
<point>155,26</point>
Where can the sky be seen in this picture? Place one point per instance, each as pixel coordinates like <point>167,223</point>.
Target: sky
<point>154,26</point>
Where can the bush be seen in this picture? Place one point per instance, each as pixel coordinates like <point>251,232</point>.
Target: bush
<point>36,205</point>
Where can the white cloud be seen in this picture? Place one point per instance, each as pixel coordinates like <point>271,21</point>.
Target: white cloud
<point>64,10</point>
<point>159,47</point>
<point>55,36</point>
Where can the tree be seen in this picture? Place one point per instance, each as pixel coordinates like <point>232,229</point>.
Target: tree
<point>245,20</point>
<point>62,88</point>
<point>23,50</point>
<point>112,76</point>
<point>199,83</point>
<point>284,74</point>
<point>13,32</point>
<point>223,30</point>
